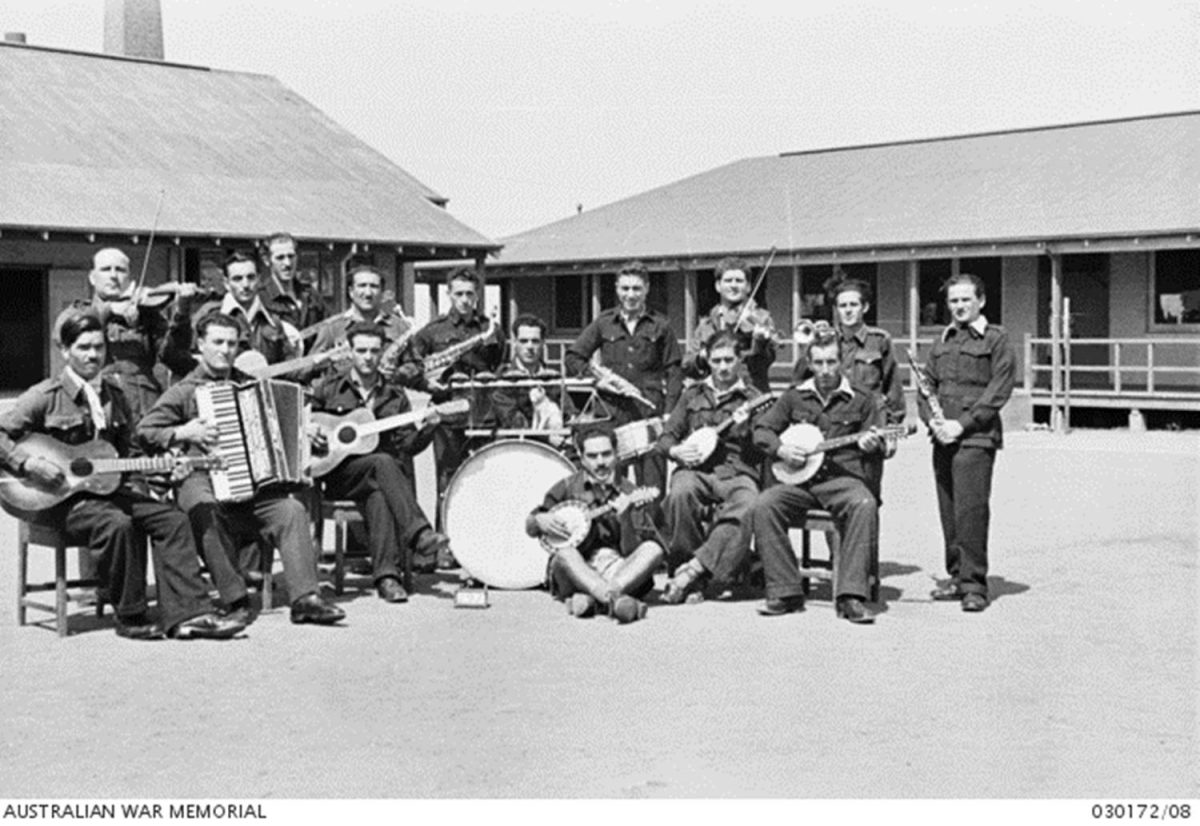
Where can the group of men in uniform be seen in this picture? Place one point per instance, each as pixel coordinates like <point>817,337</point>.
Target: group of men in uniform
<point>134,360</point>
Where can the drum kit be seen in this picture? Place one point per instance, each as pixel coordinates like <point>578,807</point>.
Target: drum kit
<point>487,499</point>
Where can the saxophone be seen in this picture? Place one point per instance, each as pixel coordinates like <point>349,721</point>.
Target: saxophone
<point>436,363</point>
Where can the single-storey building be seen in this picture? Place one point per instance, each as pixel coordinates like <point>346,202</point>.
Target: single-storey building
<point>102,149</point>
<point>1098,223</point>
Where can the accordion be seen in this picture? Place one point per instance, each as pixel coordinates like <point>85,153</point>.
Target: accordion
<point>263,436</point>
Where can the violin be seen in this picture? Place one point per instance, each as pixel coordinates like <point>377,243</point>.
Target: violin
<point>153,298</point>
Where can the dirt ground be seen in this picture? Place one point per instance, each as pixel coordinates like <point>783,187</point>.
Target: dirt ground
<point>1080,681</point>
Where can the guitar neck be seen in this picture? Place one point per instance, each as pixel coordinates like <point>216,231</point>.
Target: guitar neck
<point>143,464</point>
<point>292,365</point>
<point>390,422</point>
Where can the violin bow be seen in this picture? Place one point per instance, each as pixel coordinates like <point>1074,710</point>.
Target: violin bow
<point>150,242</point>
<point>761,277</point>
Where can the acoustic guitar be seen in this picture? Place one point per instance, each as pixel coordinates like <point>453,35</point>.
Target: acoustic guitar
<point>809,437</point>
<point>357,433</point>
<point>92,467</point>
<point>706,438</point>
<point>579,517</point>
<point>253,363</point>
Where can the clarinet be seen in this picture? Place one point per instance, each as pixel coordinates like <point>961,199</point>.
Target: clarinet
<point>924,388</point>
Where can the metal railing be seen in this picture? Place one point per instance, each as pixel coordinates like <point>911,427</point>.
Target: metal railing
<point>1117,367</point>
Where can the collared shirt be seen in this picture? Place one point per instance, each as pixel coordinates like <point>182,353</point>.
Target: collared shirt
<point>333,331</point>
<point>758,354</point>
<point>339,393</point>
<point>649,358</point>
<point>91,395</point>
<point>623,533</point>
<point>446,331</point>
<point>868,361</point>
<point>304,309</point>
<point>58,408</point>
<point>972,370</point>
<point>259,330</point>
<point>846,411</point>
<point>702,405</point>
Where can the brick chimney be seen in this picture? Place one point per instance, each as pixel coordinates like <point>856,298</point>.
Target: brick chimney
<point>133,28</point>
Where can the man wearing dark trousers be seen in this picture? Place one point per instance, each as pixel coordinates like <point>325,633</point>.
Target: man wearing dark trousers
<point>612,568</point>
<point>841,486</point>
<point>282,520</point>
<point>74,408</point>
<point>376,481</point>
<point>726,480</point>
<point>638,350</point>
<point>971,371</point>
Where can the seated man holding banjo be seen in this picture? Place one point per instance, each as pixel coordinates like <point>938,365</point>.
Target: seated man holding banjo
<point>60,445</point>
<point>709,435</point>
<point>359,407</point>
<point>804,430</point>
<point>603,546</point>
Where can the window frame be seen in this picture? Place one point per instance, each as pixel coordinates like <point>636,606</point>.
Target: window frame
<point>1152,324</point>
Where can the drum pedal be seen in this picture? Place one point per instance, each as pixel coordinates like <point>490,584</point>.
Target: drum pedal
<point>472,594</point>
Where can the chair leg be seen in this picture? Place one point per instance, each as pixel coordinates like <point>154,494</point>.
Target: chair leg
<point>60,589</point>
<point>268,583</point>
<point>805,558</point>
<point>22,573</point>
<point>340,529</point>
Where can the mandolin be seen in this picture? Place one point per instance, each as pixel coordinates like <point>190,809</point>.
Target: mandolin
<point>92,467</point>
<point>357,433</point>
<point>807,436</point>
<point>579,517</point>
<point>706,438</point>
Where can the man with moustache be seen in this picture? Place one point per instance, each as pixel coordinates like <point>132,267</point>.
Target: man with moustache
<point>174,421</point>
<point>76,407</point>
<point>612,570</point>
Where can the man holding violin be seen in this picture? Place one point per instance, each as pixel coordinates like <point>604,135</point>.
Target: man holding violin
<point>721,471</point>
<point>842,485</point>
<point>736,312</point>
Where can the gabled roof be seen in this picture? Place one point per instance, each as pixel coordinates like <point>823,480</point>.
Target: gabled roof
<point>1124,178</point>
<point>87,142</point>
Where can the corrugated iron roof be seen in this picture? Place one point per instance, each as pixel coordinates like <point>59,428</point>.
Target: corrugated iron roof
<point>1132,177</point>
<point>87,142</point>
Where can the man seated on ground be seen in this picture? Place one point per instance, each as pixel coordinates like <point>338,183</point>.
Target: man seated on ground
<point>74,408</point>
<point>174,421</point>
<point>727,478</point>
<point>612,569</point>
<point>375,481</point>
<point>841,486</point>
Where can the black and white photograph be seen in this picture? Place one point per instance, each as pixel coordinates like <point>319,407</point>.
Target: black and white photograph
<point>413,409</point>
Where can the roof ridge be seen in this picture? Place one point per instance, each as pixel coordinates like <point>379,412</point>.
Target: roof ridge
<point>103,55</point>
<point>988,134</point>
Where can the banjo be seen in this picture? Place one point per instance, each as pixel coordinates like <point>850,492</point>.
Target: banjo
<point>579,516</point>
<point>705,439</point>
<point>808,437</point>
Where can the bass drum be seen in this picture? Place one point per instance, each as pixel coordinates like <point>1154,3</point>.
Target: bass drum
<point>484,510</point>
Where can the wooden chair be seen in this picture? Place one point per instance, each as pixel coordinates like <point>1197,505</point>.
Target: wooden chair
<point>344,512</point>
<point>32,534</point>
<point>825,569</point>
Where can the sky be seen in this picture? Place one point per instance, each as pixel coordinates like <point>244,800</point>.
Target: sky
<point>522,112</point>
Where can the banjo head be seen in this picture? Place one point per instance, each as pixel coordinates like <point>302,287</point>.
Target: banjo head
<point>802,435</point>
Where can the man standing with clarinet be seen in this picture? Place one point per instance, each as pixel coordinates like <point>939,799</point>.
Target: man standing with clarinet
<point>969,379</point>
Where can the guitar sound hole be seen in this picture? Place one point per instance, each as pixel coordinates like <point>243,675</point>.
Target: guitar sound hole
<point>346,435</point>
<point>81,467</point>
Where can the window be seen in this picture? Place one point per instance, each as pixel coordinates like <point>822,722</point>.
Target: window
<point>570,302</point>
<point>1175,288</point>
<point>932,274</point>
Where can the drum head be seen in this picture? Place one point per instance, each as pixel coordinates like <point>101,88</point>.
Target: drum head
<point>485,507</point>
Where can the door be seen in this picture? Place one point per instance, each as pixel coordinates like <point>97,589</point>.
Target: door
<point>1085,281</point>
<point>23,335</point>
